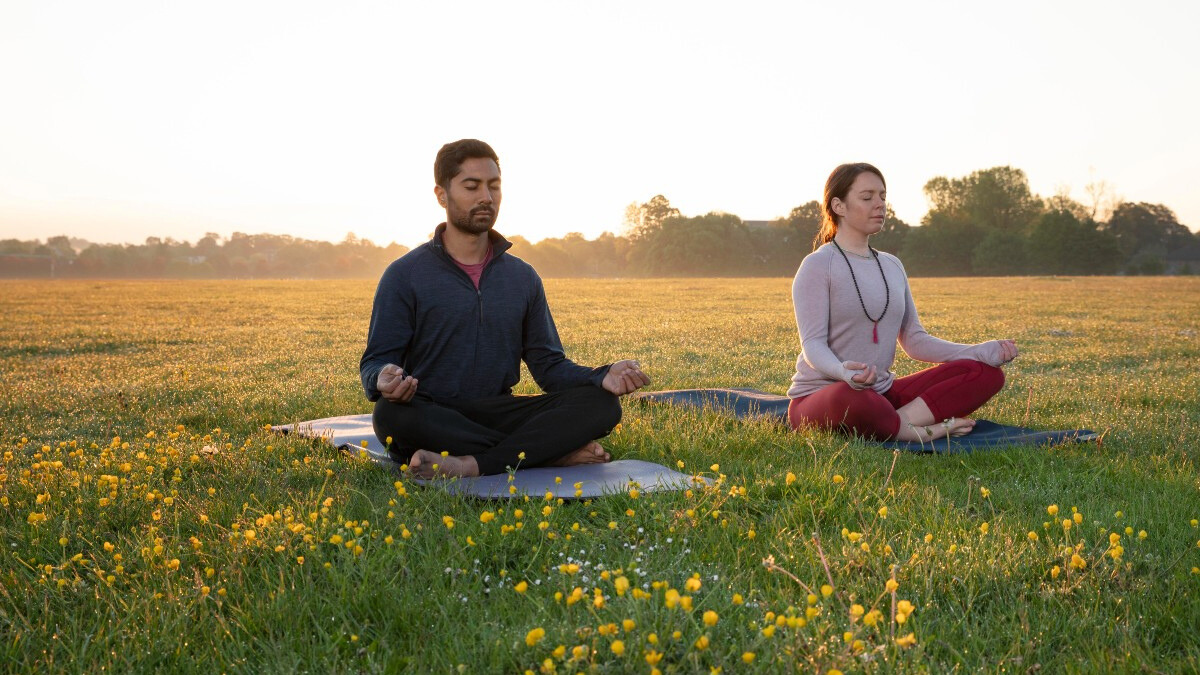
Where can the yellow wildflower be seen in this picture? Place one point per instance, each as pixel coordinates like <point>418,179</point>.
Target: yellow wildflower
<point>534,636</point>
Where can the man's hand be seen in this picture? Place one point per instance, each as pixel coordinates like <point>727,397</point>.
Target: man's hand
<point>864,376</point>
<point>624,377</point>
<point>395,385</point>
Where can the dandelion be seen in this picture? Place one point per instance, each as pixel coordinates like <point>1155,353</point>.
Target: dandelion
<point>710,618</point>
<point>788,479</point>
<point>1066,525</point>
<point>1052,510</point>
<point>521,587</point>
<point>983,528</point>
<point>448,522</point>
<point>892,585</point>
<point>1142,534</point>
<point>838,479</point>
<point>535,636</point>
<point>1077,561</point>
<point>737,599</point>
<point>628,625</point>
<point>1033,536</point>
<point>618,647</point>
<point>692,584</point>
<point>1055,571</point>
<point>487,517</point>
<point>653,657</point>
<point>883,511</point>
<point>1078,517</point>
<point>928,538</point>
<point>747,657</point>
<point>702,642</point>
<point>907,640</point>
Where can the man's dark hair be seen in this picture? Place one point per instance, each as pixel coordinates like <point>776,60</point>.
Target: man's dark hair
<point>452,155</point>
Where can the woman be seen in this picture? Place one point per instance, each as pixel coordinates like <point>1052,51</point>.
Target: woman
<point>852,306</point>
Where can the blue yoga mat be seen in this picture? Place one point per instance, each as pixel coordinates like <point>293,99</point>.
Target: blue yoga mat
<point>750,403</point>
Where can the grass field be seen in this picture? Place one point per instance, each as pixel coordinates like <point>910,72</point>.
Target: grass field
<point>148,522</point>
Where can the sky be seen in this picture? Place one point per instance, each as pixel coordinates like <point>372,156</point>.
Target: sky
<point>127,120</point>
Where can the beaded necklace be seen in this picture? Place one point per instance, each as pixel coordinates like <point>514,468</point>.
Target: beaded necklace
<point>887,294</point>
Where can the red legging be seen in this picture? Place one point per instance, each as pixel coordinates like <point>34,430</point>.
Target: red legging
<point>952,389</point>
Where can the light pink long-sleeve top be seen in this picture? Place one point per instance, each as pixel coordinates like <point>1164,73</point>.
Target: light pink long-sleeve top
<point>834,329</point>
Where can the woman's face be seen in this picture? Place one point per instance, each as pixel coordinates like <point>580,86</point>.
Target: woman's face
<point>865,205</point>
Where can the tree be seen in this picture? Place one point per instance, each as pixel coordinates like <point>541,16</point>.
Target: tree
<point>1062,243</point>
<point>1144,233</point>
<point>641,220</point>
<point>940,247</point>
<point>997,198</point>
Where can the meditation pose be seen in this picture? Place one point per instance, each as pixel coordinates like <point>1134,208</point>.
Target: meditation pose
<point>852,305</point>
<point>451,323</point>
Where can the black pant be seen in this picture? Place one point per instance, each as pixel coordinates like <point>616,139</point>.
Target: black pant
<point>496,430</point>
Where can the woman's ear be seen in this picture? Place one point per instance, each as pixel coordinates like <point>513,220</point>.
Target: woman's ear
<point>839,207</point>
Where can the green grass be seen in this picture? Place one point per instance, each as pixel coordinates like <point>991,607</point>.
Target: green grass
<point>119,397</point>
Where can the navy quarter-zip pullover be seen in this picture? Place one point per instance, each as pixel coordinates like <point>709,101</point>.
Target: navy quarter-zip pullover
<point>460,342</point>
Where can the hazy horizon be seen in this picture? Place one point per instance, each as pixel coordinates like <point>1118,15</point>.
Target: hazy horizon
<point>138,119</point>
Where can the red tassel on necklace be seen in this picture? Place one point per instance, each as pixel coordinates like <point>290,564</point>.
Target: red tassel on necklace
<point>875,333</point>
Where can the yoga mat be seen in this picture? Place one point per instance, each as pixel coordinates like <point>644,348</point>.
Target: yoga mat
<point>584,481</point>
<point>748,403</point>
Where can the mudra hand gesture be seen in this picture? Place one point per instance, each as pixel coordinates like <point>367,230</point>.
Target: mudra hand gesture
<point>625,377</point>
<point>396,385</point>
<point>864,376</point>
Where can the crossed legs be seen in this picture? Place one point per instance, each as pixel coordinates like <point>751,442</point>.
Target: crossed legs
<point>486,436</point>
<point>924,399</point>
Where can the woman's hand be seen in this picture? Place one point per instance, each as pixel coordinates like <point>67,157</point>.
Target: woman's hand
<point>1006,350</point>
<point>861,375</point>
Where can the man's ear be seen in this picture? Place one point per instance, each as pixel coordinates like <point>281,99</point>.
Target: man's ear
<point>440,193</point>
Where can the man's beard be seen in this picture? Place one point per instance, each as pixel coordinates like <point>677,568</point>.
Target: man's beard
<point>471,224</point>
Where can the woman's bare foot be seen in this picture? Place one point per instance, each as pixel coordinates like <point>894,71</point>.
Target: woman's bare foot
<point>592,453</point>
<point>958,426</point>
<point>426,464</point>
<point>923,433</point>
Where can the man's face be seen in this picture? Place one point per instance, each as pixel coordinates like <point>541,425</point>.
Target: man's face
<point>472,201</point>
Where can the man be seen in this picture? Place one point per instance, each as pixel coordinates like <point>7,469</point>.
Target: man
<point>452,321</point>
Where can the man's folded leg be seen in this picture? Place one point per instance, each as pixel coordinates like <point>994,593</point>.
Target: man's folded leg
<point>426,425</point>
<point>544,427</point>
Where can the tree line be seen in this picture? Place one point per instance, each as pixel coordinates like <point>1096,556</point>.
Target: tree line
<point>986,223</point>
<point>241,256</point>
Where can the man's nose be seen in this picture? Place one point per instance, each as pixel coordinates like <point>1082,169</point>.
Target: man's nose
<point>485,196</point>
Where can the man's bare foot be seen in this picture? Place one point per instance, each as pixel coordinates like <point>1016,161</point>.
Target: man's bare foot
<point>426,464</point>
<point>592,453</point>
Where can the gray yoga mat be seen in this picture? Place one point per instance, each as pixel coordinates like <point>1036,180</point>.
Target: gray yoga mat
<point>353,434</point>
<point>747,403</point>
